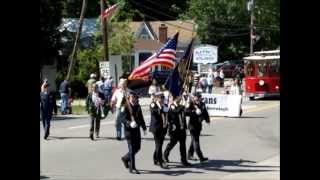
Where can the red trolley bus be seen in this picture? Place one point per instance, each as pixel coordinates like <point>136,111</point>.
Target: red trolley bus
<point>262,74</point>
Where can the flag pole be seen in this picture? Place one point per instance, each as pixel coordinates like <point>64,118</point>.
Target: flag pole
<point>104,31</point>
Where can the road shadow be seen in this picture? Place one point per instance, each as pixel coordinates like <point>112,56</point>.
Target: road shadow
<point>169,172</point>
<point>267,99</point>
<point>232,166</point>
<point>62,118</point>
<point>248,117</point>
<point>44,177</point>
<point>62,138</point>
<point>202,135</point>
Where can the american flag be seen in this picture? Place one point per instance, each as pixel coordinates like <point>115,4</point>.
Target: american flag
<point>165,56</point>
<point>109,10</point>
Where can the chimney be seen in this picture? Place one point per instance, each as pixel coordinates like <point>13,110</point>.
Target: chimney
<point>163,30</point>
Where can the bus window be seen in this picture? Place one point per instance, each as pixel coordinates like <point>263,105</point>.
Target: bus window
<point>249,69</point>
<point>262,69</point>
<point>274,67</point>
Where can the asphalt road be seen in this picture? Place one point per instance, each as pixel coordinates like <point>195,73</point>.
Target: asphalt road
<point>233,145</point>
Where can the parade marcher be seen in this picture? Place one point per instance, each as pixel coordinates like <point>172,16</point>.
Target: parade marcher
<point>177,131</point>
<point>93,103</point>
<point>91,81</point>
<point>117,101</point>
<point>101,89</point>
<point>236,90</point>
<point>196,112</point>
<point>190,81</point>
<point>64,94</point>
<point>47,103</point>
<point>158,126</point>
<point>132,123</point>
<point>221,75</point>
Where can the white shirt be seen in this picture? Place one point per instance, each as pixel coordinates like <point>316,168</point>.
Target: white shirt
<point>221,74</point>
<point>215,74</point>
<point>210,78</point>
<point>118,96</point>
<point>234,90</point>
<point>153,89</point>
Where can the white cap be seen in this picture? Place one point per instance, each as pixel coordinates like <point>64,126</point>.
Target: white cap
<point>92,75</point>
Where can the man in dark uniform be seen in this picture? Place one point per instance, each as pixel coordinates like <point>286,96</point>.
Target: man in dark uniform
<point>47,101</point>
<point>158,126</point>
<point>177,131</point>
<point>197,112</point>
<point>93,103</point>
<point>132,122</point>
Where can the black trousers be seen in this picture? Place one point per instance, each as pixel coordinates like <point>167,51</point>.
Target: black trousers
<point>195,144</point>
<point>95,124</point>
<point>179,136</point>
<point>158,140</point>
<point>46,119</point>
<point>134,144</point>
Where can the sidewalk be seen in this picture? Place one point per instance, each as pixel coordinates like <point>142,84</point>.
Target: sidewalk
<point>269,170</point>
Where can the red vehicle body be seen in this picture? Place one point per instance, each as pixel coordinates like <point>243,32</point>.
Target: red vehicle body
<point>262,74</point>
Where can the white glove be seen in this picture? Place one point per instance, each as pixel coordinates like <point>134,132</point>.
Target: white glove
<point>187,105</point>
<point>133,124</point>
<point>173,127</point>
<point>198,111</point>
<point>173,107</point>
<point>122,109</point>
<point>152,105</point>
<point>144,132</point>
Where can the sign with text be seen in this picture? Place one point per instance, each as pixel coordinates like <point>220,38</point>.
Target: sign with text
<point>222,104</point>
<point>104,68</point>
<point>205,54</point>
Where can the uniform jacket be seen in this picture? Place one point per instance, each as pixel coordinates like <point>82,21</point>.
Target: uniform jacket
<point>47,103</point>
<point>90,106</point>
<point>156,123</point>
<point>173,119</point>
<point>195,122</point>
<point>138,117</point>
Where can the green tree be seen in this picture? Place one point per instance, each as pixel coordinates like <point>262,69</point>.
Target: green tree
<point>50,19</point>
<point>226,23</point>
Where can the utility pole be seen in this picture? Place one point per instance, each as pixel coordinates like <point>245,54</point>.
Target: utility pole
<point>76,43</point>
<point>251,8</point>
<point>104,32</point>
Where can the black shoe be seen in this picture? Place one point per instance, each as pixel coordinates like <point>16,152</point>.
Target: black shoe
<point>192,158</point>
<point>163,165</point>
<point>130,170</point>
<point>155,162</point>
<point>166,159</point>
<point>91,137</point>
<point>125,163</point>
<point>204,159</point>
<point>187,164</point>
<point>119,138</point>
<point>136,171</point>
<point>97,136</point>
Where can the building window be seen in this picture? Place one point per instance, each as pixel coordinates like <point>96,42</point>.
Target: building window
<point>144,56</point>
<point>144,36</point>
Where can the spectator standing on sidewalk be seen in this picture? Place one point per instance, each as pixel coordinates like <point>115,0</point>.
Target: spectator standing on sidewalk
<point>117,100</point>
<point>236,90</point>
<point>154,88</point>
<point>210,80</point>
<point>64,94</point>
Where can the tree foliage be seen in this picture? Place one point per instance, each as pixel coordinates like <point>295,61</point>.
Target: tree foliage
<point>50,19</point>
<point>226,23</point>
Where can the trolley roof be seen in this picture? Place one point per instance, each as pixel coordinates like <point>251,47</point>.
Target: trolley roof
<point>257,58</point>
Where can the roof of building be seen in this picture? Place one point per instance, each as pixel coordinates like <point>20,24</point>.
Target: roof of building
<point>185,28</point>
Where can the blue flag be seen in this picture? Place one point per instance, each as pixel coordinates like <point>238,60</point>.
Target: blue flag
<point>173,83</point>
